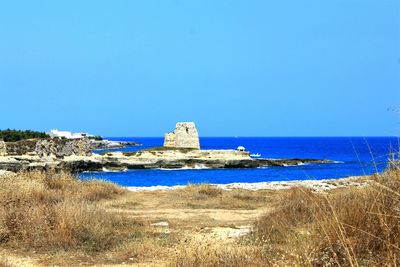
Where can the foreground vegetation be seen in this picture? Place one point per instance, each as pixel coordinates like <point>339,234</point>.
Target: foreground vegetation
<point>67,221</point>
<point>58,214</point>
<point>348,227</point>
<point>356,226</point>
<point>9,135</point>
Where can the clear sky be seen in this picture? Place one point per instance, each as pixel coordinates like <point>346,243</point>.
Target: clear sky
<point>236,68</point>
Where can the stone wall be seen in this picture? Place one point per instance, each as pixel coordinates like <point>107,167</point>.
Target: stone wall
<point>3,148</point>
<point>184,136</point>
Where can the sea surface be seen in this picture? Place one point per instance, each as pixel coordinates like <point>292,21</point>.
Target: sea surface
<point>351,155</point>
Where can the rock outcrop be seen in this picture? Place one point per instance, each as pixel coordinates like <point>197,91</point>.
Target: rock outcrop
<point>3,148</point>
<point>48,147</point>
<point>22,147</point>
<point>107,144</point>
<point>174,159</point>
<point>63,148</point>
<point>184,136</point>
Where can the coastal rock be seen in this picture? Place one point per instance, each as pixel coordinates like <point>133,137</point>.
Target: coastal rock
<point>49,147</point>
<point>22,147</point>
<point>63,148</point>
<point>195,159</point>
<point>184,136</point>
<point>46,148</point>
<point>80,164</point>
<point>24,163</point>
<point>79,147</point>
<point>3,148</point>
<point>13,165</point>
<point>107,144</point>
<point>180,151</point>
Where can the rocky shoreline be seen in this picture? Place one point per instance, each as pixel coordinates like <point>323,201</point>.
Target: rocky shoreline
<point>107,144</point>
<point>316,185</point>
<point>181,150</point>
<point>118,162</point>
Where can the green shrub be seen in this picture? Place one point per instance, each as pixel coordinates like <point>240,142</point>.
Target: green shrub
<point>9,135</point>
<point>97,138</point>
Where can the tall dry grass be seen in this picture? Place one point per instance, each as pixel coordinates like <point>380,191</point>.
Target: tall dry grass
<point>353,226</point>
<point>210,254</point>
<point>5,263</point>
<point>57,211</point>
<point>346,227</point>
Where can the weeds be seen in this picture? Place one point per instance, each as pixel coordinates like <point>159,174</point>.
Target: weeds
<point>209,254</point>
<point>347,227</point>
<point>352,226</point>
<point>57,211</point>
<point>209,196</point>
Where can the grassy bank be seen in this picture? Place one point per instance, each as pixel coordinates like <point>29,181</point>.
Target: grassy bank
<point>57,219</point>
<point>57,214</point>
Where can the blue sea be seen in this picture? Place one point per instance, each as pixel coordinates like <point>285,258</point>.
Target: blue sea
<point>351,155</point>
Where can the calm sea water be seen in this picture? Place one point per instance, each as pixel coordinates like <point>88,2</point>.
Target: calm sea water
<point>352,156</point>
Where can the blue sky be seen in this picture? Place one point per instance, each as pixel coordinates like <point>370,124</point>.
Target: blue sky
<point>236,68</point>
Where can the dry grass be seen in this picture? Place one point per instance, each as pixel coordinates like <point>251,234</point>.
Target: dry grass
<point>201,196</point>
<point>346,227</point>
<point>208,196</point>
<point>48,212</point>
<point>209,254</point>
<point>5,263</point>
<point>354,226</point>
<point>93,222</point>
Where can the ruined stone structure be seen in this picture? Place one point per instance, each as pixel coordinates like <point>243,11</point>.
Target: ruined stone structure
<point>169,140</point>
<point>3,148</point>
<point>184,136</point>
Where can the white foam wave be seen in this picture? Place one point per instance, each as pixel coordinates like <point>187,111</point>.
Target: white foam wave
<point>196,167</point>
<point>108,170</point>
<point>338,161</point>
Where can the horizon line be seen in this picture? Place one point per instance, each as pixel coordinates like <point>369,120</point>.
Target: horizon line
<point>232,136</point>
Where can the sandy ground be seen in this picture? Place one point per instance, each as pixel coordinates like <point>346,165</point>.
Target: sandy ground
<point>195,224</point>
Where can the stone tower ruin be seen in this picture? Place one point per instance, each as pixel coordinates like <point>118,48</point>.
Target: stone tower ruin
<point>184,136</point>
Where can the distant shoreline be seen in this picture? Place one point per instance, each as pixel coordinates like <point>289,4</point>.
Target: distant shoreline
<point>318,185</point>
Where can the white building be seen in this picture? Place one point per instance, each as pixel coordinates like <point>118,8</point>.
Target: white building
<point>67,134</point>
<point>241,148</point>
